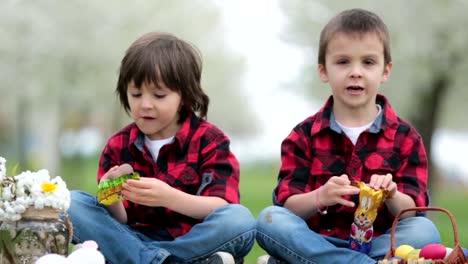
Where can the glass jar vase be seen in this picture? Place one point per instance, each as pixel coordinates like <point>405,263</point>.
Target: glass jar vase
<point>37,233</point>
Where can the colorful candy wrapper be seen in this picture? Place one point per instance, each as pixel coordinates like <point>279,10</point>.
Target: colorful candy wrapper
<point>109,190</point>
<point>362,229</point>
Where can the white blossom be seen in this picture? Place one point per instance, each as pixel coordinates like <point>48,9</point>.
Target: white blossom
<point>2,168</point>
<point>30,189</point>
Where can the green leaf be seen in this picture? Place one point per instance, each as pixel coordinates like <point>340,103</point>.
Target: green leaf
<point>7,246</point>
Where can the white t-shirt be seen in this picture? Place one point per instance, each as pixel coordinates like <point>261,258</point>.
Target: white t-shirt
<point>155,146</point>
<point>354,132</point>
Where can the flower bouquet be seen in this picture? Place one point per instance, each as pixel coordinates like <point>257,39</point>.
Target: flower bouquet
<point>32,209</point>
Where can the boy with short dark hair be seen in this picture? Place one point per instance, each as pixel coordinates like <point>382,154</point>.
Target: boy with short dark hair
<point>355,137</point>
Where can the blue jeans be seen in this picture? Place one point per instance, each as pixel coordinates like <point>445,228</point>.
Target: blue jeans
<point>230,228</point>
<point>286,236</point>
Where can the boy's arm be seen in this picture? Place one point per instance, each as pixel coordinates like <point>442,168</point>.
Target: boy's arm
<point>399,202</point>
<point>220,187</point>
<point>219,170</point>
<point>153,192</point>
<point>117,210</point>
<point>296,188</point>
<point>194,206</point>
<point>411,178</point>
<point>294,185</point>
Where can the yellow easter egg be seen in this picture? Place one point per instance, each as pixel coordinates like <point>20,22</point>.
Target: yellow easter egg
<point>403,251</point>
<point>413,254</point>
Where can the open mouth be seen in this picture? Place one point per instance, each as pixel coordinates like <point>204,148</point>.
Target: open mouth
<point>355,88</point>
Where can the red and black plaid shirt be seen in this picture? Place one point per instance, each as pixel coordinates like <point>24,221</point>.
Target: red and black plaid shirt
<point>198,162</point>
<point>317,149</point>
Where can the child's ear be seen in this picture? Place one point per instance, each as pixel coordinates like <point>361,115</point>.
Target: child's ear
<point>386,73</point>
<point>322,71</point>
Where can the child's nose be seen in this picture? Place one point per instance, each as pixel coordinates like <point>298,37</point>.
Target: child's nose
<point>146,102</point>
<point>356,72</point>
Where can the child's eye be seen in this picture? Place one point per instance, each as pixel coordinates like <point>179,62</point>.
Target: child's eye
<point>135,95</point>
<point>342,62</point>
<point>159,96</point>
<point>369,62</point>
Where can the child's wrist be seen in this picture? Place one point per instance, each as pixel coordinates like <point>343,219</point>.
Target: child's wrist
<point>319,206</point>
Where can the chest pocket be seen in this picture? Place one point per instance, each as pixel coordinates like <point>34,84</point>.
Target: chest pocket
<point>184,178</point>
<point>382,163</point>
<point>325,166</point>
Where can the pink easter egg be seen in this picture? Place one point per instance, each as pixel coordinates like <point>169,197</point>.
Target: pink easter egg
<point>433,251</point>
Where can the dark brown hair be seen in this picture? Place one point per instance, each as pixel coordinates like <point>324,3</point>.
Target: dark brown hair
<point>354,21</point>
<point>158,57</point>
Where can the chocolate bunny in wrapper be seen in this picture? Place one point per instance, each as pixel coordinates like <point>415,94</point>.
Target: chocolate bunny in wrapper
<point>109,190</point>
<point>362,229</point>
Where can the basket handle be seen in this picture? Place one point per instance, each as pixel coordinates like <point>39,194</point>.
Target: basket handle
<point>397,218</point>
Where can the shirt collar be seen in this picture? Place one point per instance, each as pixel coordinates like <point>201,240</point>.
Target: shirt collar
<point>387,120</point>
<point>182,137</point>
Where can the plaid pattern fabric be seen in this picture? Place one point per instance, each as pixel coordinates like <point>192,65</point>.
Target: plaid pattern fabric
<point>198,162</point>
<point>317,149</point>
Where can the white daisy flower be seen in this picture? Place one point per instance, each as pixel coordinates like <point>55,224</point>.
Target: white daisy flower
<point>30,189</point>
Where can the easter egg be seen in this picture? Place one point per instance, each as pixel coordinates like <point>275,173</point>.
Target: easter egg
<point>403,251</point>
<point>413,254</point>
<point>433,251</point>
<point>465,250</point>
<point>395,260</point>
<point>90,244</point>
<point>448,252</point>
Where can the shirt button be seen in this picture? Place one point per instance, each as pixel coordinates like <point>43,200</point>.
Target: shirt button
<point>353,173</point>
<point>329,230</point>
<point>188,177</point>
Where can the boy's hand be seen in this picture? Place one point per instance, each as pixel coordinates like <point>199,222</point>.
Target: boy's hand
<point>147,191</point>
<point>335,190</point>
<point>384,181</point>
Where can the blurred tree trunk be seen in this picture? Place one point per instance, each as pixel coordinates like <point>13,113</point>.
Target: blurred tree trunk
<point>430,104</point>
<point>425,118</point>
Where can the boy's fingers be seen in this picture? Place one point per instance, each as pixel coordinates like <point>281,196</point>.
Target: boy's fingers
<point>125,169</point>
<point>346,202</point>
<point>342,180</point>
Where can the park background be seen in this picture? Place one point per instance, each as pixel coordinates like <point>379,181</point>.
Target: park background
<point>59,63</point>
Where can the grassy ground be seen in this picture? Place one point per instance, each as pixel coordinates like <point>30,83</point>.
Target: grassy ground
<point>257,183</point>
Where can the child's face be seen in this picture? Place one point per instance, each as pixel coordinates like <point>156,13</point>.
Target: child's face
<point>155,110</point>
<point>354,68</point>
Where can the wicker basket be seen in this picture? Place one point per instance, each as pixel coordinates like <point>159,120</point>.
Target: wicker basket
<point>456,257</point>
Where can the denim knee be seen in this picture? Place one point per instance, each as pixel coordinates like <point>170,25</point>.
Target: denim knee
<point>80,196</point>
<point>417,231</point>
<point>237,216</point>
<point>272,220</point>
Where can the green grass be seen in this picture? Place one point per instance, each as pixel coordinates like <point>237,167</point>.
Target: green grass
<point>257,183</point>
<point>454,199</point>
